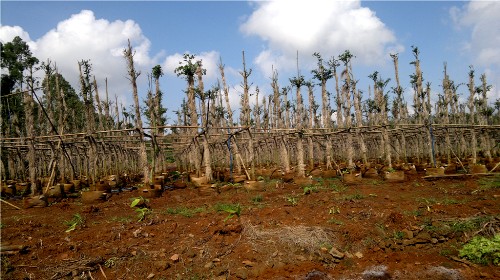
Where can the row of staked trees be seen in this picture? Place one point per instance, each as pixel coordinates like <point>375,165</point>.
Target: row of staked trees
<point>206,123</point>
<point>36,100</point>
<point>284,109</point>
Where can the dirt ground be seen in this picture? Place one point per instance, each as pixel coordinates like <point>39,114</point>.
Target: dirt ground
<point>300,229</point>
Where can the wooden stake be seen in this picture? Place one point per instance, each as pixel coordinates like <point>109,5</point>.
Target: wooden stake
<point>8,203</point>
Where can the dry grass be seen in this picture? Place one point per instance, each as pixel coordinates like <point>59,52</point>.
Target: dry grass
<point>299,237</point>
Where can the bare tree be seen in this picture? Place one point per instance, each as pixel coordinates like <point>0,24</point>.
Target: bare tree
<point>128,53</point>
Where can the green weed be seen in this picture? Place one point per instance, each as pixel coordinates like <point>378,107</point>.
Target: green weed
<point>335,222</point>
<point>140,205</point>
<point>356,196</point>
<point>482,250</point>
<point>257,199</point>
<point>398,235</point>
<point>77,220</point>
<point>487,183</point>
<point>232,209</point>
<point>310,189</point>
<point>184,211</point>
<point>415,213</point>
<point>292,200</point>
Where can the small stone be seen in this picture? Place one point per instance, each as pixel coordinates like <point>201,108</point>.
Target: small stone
<point>216,260</point>
<point>408,233</point>
<point>358,255</point>
<point>162,265</point>
<point>151,275</point>
<point>175,258</point>
<point>408,242</point>
<point>241,273</point>
<point>248,263</point>
<point>191,235</point>
<point>434,240</point>
<point>209,265</point>
<point>134,253</point>
<point>324,250</point>
<point>336,253</point>
<point>423,237</point>
<point>301,258</point>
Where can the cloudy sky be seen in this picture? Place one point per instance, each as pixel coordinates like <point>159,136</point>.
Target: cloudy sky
<point>461,33</point>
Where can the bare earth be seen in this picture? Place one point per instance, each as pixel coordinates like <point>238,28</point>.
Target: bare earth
<point>372,230</point>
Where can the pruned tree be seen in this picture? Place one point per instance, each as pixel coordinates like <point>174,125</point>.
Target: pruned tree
<point>128,54</point>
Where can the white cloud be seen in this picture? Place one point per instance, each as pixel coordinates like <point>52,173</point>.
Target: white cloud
<point>8,33</point>
<point>481,17</point>
<point>328,27</point>
<point>82,36</point>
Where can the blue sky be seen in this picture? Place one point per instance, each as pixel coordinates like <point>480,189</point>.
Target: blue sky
<point>461,33</point>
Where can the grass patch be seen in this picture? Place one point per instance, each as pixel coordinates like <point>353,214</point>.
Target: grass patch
<point>398,235</point>
<point>482,250</point>
<point>232,209</point>
<point>451,201</point>
<point>257,199</point>
<point>356,196</point>
<point>488,183</point>
<point>335,222</point>
<point>184,211</point>
<point>414,213</point>
<point>473,224</point>
<point>376,182</point>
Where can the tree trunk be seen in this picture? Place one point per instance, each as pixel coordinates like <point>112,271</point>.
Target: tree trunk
<point>143,159</point>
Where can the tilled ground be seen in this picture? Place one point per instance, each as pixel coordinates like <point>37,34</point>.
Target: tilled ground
<point>329,230</point>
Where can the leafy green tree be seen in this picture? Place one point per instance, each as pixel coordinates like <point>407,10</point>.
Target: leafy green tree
<point>16,59</point>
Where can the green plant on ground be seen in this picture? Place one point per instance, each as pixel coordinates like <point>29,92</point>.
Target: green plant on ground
<point>142,213</point>
<point>310,189</point>
<point>257,199</point>
<point>184,211</point>
<point>232,209</point>
<point>398,235</point>
<point>468,225</point>
<point>335,222</point>
<point>140,205</point>
<point>415,213</point>
<point>109,263</point>
<point>376,182</point>
<point>139,202</point>
<point>428,225</point>
<point>482,250</point>
<point>77,220</point>
<point>334,210</point>
<point>356,196</point>
<point>292,200</point>
<point>451,201</point>
<point>487,183</point>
